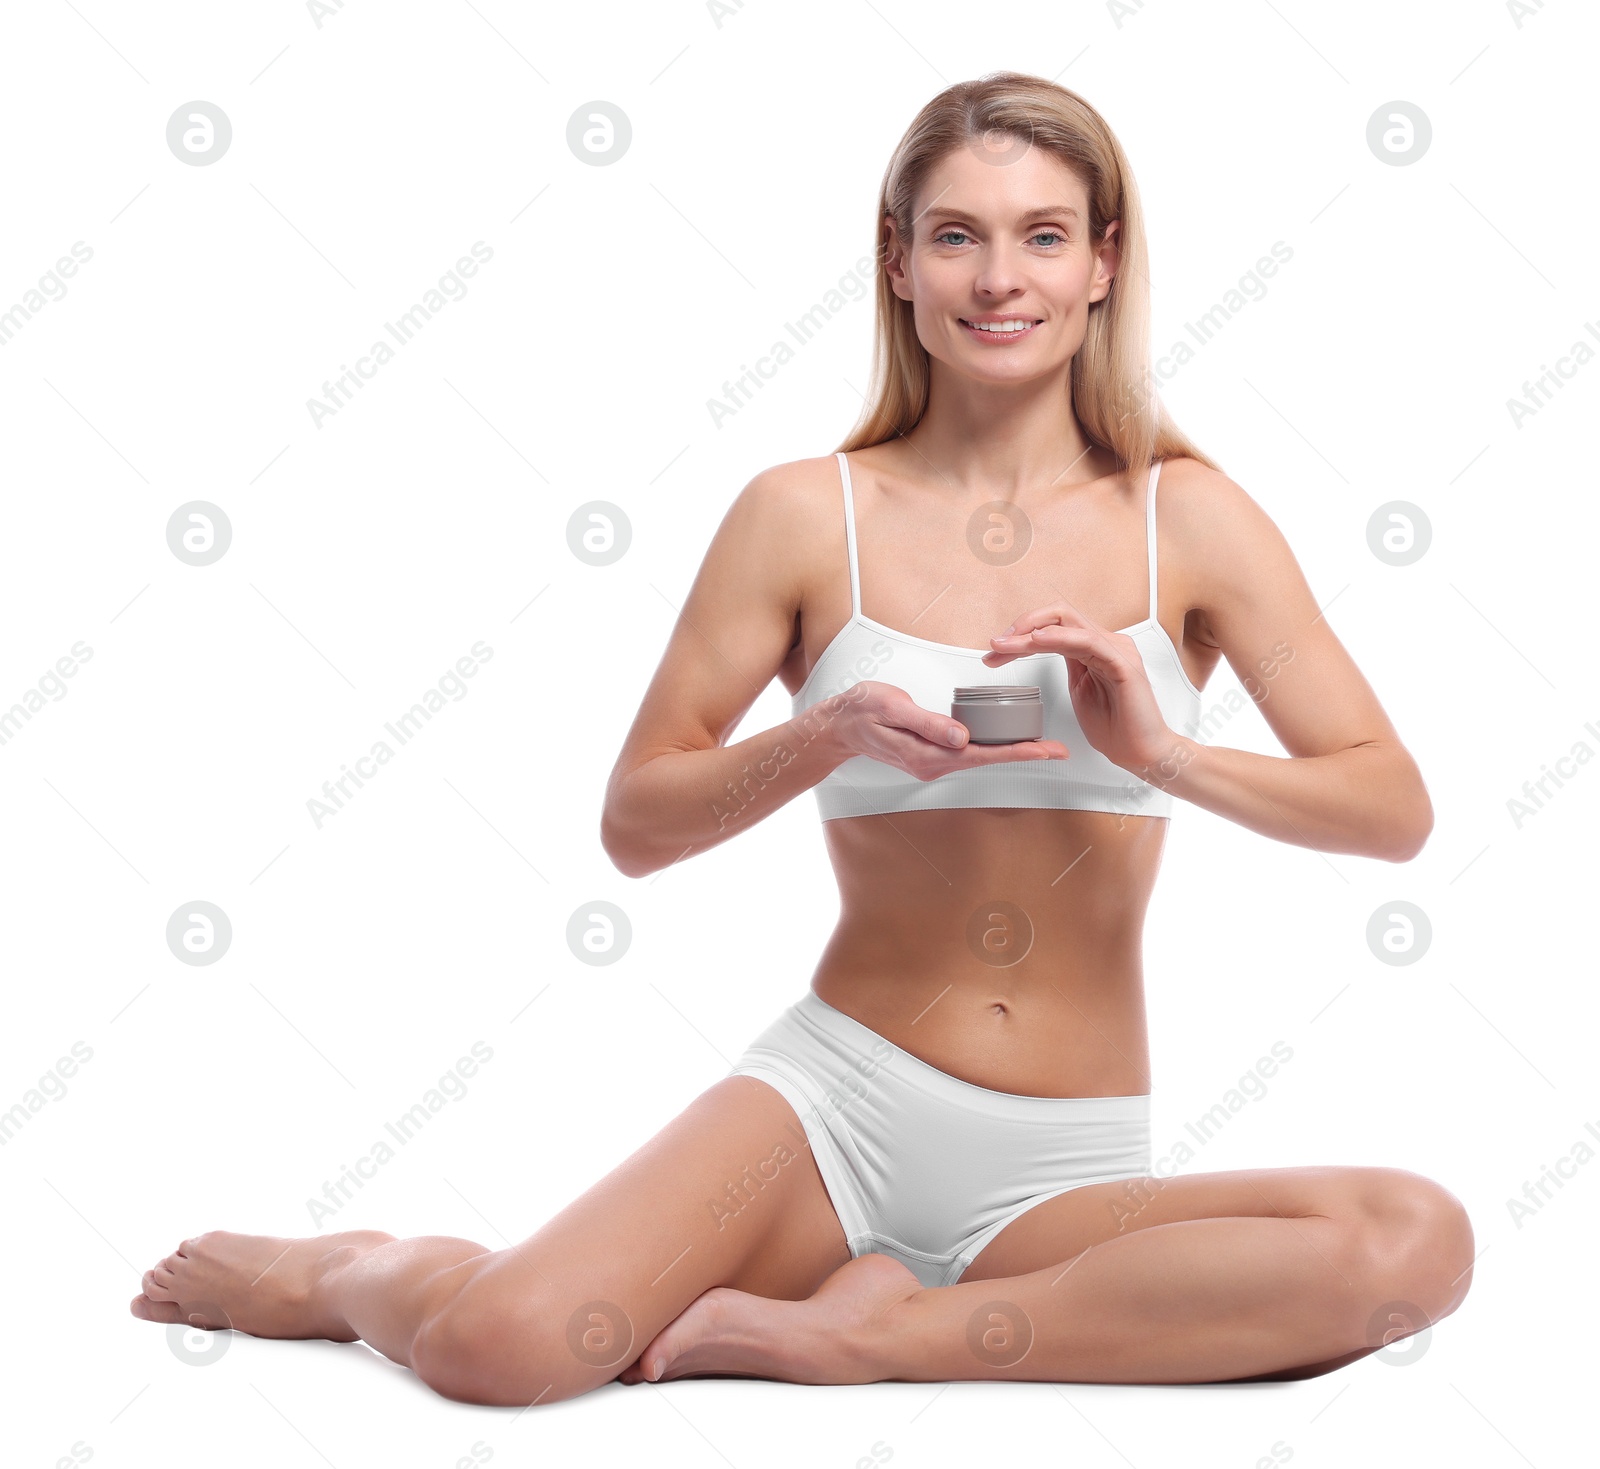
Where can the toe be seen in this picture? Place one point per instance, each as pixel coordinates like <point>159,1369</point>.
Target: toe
<point>642,1370</point>
<point>657,1356</point>
<point>668,1356</point>
<point>165,1312</point>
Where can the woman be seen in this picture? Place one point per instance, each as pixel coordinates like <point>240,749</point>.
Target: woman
<point>936,1164</point>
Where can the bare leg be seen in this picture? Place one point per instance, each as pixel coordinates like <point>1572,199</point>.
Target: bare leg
<point>1278,1294</point>
<point>362,1284</point>
<point>726,1192</point>
<point>1208,1300</point>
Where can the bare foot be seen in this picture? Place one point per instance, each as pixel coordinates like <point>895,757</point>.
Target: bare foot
<point>255,1283</point>
<point>728,1332</point>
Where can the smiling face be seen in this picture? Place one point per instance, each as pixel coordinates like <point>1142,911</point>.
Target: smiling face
<point>1000,268</point>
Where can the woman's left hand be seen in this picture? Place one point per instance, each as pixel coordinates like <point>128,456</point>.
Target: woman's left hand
<point>1111,693</point>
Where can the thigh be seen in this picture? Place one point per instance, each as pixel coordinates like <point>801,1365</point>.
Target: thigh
<point>727,1193</point>
<point>1063,1226</point>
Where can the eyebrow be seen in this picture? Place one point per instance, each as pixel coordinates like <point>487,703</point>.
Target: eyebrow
<point>1065,211</point>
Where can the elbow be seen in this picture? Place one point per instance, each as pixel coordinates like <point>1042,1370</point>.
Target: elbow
<point>630,831</point>
<point>624,853</point>
<point>1409,833</point>
<point>633,844</point>
<point>1403,848</point>
<point>619,837</point>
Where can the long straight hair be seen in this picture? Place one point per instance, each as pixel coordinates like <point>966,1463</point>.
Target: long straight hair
<point>1110,386</point>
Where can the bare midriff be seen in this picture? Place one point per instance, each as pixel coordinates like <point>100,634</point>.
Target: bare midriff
<point>1000,945</point>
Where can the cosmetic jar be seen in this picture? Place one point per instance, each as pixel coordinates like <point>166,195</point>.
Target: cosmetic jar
<point>999,714</point>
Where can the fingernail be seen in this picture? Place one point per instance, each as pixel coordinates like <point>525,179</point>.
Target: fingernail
<point>954,736</point>
<point>1009,630</point>
<point>653,1371</point>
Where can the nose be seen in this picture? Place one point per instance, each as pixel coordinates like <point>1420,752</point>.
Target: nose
<point>999,275</point>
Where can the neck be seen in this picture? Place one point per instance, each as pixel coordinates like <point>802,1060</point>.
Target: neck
<point>1005,438</point>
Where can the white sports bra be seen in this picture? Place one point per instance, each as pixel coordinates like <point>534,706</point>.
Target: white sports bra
<point>929,671</point>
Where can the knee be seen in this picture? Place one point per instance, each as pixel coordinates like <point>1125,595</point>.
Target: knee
<point>1416,1241</point>
<point>476,1356</point>
<point>487,1344</point>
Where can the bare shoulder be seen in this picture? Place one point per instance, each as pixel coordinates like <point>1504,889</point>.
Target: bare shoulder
<point>776,537</point>
<point>1239,575</point>
<point>1204,507</point>
<point>789,513</point>
<point>1220,535</point>
<point>795,488</point>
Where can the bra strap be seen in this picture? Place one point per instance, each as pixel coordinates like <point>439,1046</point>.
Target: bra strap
<point>1149,528</point>
<point>850,535</point>
<point>1150,531</point>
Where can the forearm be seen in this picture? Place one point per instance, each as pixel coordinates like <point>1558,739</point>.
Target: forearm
<point>1368,799</point>
<point>687,801</point>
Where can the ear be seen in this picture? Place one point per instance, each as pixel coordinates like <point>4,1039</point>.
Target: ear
<point>894,258</point>
<point>1108,256</point>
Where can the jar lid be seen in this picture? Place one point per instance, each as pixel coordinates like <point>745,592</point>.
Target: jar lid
<point>995,693</point>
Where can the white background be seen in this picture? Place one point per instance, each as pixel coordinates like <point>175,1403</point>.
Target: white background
<point>369,153</point>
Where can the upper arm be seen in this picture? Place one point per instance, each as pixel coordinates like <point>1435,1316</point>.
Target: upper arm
<point>737,624</point>
<point>1258,609</point>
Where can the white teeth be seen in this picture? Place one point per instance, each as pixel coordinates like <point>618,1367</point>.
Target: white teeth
<point>1000,326</point>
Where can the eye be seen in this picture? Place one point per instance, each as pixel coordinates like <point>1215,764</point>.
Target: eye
<point>959,236</point>
<point>1050,237</point>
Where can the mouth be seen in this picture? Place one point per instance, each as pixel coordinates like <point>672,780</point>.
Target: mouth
<point>999,329</point>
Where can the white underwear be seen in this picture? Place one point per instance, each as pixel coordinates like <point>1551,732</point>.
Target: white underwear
<point>921,1165</point>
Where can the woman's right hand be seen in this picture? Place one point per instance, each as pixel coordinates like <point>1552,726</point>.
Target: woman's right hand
<point>883,723</point>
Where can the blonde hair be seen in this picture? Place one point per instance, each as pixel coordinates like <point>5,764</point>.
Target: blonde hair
<point>1111,391</point>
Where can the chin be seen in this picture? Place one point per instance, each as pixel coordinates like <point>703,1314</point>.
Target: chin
<point>1004,373</point>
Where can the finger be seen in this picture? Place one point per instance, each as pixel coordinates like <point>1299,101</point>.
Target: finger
<point>1017,641</point>
<point>936,728</point>
<point>914,748</point>
<point>975,754</point>
<point>1051,613</point>
<point>1021,750</point>
<point>1023,638</point>
<point>980,757</point>
<point>1008,647</point>
<point>1082,642</point>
